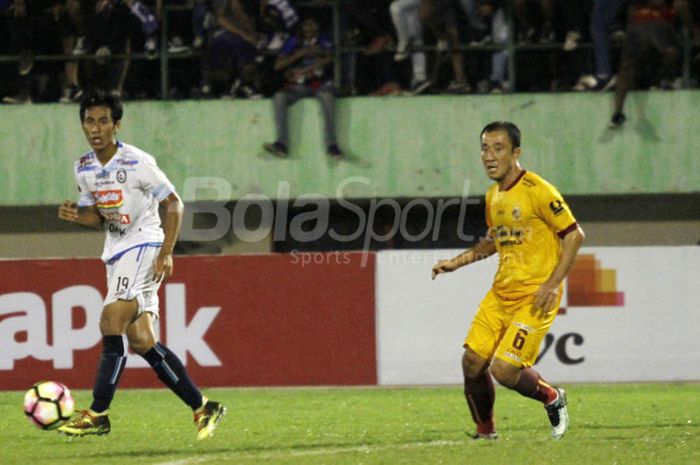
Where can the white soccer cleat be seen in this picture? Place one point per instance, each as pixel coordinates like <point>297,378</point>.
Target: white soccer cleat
<point>558,415</point>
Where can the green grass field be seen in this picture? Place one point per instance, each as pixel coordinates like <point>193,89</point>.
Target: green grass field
<point>610,424</point>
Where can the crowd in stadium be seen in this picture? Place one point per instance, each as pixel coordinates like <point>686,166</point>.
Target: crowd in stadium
<point>54,50</point>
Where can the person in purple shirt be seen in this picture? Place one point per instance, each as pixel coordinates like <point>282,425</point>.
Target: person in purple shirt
<point>305,59</point>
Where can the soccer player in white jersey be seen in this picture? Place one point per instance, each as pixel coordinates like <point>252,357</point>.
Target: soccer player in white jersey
<point>121,188</point>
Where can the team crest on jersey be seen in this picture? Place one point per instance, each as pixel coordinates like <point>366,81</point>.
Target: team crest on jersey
<point>121,175</point>
<point>109,200</point>
<point>516,213</point>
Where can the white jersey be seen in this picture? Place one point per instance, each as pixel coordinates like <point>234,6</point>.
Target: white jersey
<point>126,191</point>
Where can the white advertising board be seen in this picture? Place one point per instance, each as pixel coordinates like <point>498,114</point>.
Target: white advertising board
<point>630,314</point>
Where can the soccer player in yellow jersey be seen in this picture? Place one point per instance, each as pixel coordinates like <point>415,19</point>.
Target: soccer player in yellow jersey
<point>537,239</point>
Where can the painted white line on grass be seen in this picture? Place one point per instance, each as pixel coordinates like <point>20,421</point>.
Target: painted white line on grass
<point>187,461</point>
<point>366,448</point>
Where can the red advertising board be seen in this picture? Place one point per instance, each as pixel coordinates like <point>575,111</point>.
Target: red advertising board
<point>263,320</point>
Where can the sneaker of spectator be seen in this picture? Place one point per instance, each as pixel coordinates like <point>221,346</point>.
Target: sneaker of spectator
<point>548,36</point>
<point>240,90</point>
<point>671,84</point>
<point>402,51</point>
<point>527,37</point>
<point>419,86</point>
<point>604,84</point>
<point>17,99</point>
<point>378,45</point>
<point>275,41</point>
<point>488,86</point>
<point>390,88</point>
<point>150,48</point>
<point>71,93</point>
<point>202,92</point>
<point>571,41</point>
<point>617,120</point>
<point>248,92</point>
<point>177,45</point>
<point>103,55</point>
<point>588,82</point>
<point>26,63</point>
<point>458,87</point>
<point>334,152</point>
<point>80,47</point>
<point>277,148</point>
<point>482,40</point>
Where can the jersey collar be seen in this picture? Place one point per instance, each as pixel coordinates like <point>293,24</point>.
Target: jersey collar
<point>515,181</point>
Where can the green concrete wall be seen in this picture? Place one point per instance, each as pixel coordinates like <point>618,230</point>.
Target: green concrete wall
<point>399,146</point>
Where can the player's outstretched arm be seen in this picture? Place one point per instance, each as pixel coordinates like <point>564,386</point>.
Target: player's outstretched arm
<point>485,248</point>
<point>174,209</point>
<point>84,216</point>
<point>546,295</point>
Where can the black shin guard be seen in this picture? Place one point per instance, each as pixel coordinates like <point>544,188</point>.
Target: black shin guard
<point>112,363</point>
<point>171,371</point>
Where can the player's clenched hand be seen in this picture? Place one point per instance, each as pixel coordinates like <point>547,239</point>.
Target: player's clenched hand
<point>546,298</point>
<point>443,266</point>
<point>68,211</point>
<point>162,268</point>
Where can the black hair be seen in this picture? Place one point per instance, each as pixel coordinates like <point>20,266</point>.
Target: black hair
<point>512,130</point>
<point>99,99</point>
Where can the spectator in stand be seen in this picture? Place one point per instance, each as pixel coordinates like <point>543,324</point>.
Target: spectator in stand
<point>485,15</point>
<point>305,60</point>
<point>202,22</point>
<point>534,20</point>
<point>605,14</point>
<point>105,28</point>
<point>38,27</point>
<point>367,23</point>
<point>233,47</point>
<point>278,19</point>
<point>650,52</point>
<point>440,17</point>
<point>575,19</point>
<point>370,17</point>
<point>409,30</point>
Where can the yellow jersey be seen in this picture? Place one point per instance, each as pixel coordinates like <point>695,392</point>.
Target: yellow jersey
<point>526,221</point>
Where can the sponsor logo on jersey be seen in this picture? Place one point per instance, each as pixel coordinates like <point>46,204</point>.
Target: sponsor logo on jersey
<point>82,168</point>
<point>109,199</point>
<point>556,206</point>
<point>124,218</point>
<point>104,174</point>
<point>114,229</point>
<point>123,162</point>
<point>85,163</point>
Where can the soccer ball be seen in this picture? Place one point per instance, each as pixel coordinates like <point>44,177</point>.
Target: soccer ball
<point>48,404</point>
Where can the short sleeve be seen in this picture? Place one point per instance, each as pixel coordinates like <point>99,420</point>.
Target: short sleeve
<point>153,181</point>
<point>85,198</point>
<point>554,210</point>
